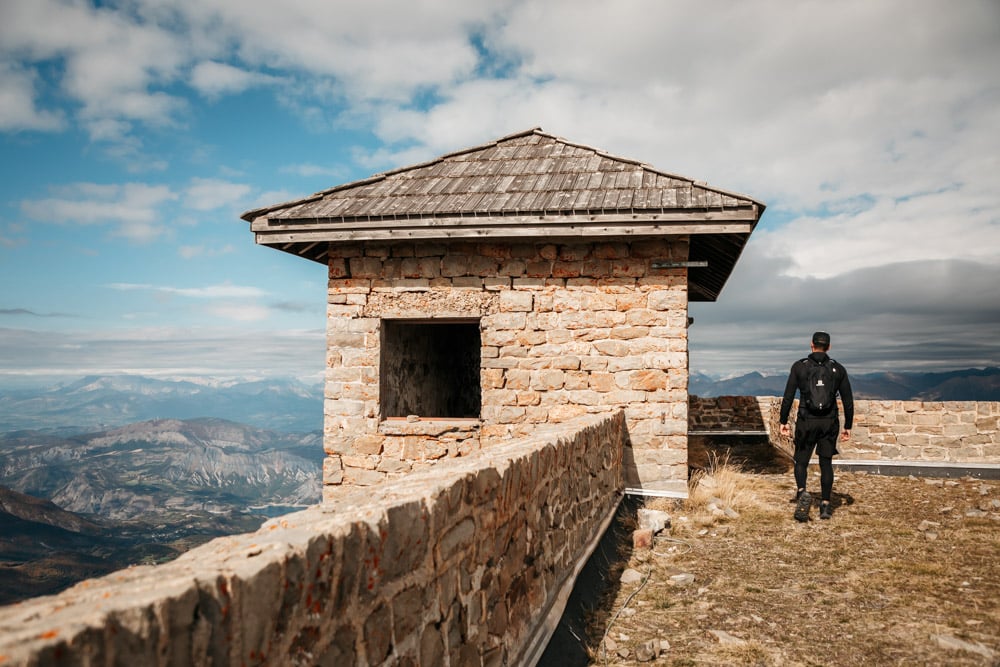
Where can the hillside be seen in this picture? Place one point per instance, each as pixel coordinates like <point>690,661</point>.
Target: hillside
<point>81,506</point>
<point>972,384</point>
<point>44,548</point>
<point>164,467</point>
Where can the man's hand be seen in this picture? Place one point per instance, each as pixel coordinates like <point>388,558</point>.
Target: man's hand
<point>845,436</point>
<point>785,430</point>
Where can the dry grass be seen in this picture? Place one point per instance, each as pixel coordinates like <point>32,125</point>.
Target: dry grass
<point>872,586</point>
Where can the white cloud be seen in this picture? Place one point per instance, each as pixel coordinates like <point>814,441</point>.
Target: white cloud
<point>207,194</point>
<point>111,64</point>
<point>223,291</point>
<point>18,109</point>
<point>133,208</point>
<point>192,251</point>
<point>220,352</point>
<point>314,170</point>
<point>235,312</point>
<point>214,79</point>
<point>379,49</point>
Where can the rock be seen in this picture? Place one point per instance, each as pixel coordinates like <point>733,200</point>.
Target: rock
<point>731,513</point>
<point>610,644</point>
<point>642,538</point>
<point>654,520</point>
<point>933,482</point>
<point>930,535</point>
<point>927,525</point>
<point>956,644</point>
<point>664,646</point>
<point>945,510</point>
<point>996,504</point>
<point>628,612</point>
<point>623,652</point>
<point>984,489</point>
<point>630,576</point>
<point>951,482</point>
<point>727,639</point>
<point>685,579</point>
<point>645,652</point>
<point>975,514</point>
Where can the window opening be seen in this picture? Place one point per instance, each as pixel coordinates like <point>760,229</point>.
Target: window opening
<point>430,369</point>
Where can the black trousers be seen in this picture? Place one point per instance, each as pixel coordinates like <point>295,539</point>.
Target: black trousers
<point>820,434</point>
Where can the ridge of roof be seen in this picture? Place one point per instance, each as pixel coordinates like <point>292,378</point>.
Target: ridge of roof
<point>250,215</point>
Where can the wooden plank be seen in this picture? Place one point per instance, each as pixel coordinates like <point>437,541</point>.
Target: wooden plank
<point>536,231</point>
<point>708,218</point>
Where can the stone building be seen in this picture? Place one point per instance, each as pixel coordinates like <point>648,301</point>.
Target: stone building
<point>489,292</point>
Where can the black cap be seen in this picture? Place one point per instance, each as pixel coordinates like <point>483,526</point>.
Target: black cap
<point>821,339</point>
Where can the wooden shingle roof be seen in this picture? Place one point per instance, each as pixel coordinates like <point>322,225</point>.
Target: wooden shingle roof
<point>530,184</point>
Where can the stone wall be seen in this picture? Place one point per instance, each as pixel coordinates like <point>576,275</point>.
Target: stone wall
<point>949,432</point>
<point>456,565</point>
<point>566,329</point>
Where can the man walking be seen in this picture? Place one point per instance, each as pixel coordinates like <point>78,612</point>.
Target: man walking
<point>818,379</point>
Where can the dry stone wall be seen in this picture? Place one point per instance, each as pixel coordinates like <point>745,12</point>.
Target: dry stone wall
<point>567,329</point>
<point>455,565</point>
<point>942,432</point>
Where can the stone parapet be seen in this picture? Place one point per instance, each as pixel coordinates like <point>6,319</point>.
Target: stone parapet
<point>457,564</point>
<point>891,431</point>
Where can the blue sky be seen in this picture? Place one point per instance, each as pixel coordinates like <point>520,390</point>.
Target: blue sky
<point>133,133</point>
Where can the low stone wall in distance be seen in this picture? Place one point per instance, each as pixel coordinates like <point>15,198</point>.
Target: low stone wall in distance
<point>940,432</point>
<point>458,564</point>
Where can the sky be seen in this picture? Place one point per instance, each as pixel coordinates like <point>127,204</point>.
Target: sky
<point>133,134</point>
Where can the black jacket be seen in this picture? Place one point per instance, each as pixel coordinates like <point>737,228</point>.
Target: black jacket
<point>798,381</point>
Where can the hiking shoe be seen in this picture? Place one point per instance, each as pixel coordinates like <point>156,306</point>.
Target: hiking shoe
<point>825,510</point>
<point>802,507</point>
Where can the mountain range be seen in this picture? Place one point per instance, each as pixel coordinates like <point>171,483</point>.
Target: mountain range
<point>73,507</point>
<point>108,401</point>
<point>973,384</point>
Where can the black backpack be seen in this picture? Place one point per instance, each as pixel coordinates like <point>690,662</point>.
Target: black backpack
<point>821,398</point>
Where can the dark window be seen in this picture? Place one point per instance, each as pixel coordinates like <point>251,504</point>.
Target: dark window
<point>430,368</point>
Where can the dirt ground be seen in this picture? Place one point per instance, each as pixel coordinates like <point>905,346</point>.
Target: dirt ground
<point>907,572</point>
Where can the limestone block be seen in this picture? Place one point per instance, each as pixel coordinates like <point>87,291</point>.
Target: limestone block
<point>629,333</point>
<point>483,266</point>
<point>959,429</point>
<point>666,300</point>
<point>602,382</point>
<point>337,268</point>
<point>366,445</point>
<point>393,466</point>
<point>496,283</point>
<point>507,414</point>
<point>574,252</point>
<point>620,364</point>
<point>365,267</point>
<point>333,470</point>
<point>632,268</point>
<point>593,364</point>
<point>500,321</point>
<point>467,283</point>
<point>361,476</point>
<point>614,348</point>
<point>343,407</point>
<point>593,268</point>
<point>647,380</point>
